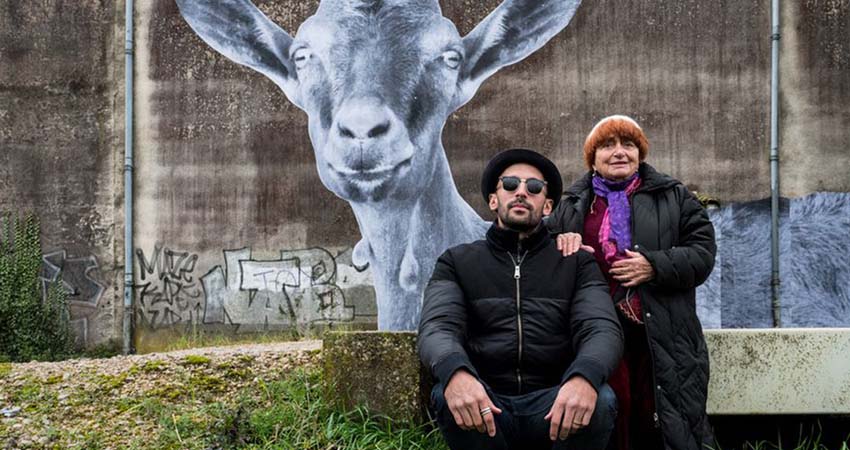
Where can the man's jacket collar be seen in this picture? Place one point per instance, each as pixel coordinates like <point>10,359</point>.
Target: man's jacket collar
<point>508,240</point>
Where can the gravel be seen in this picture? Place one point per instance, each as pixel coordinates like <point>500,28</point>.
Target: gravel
<point>69,404</point>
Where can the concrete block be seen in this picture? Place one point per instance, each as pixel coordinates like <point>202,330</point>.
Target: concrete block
<point>753,372</point>
<point>375,369</point>
<point>779,371</point>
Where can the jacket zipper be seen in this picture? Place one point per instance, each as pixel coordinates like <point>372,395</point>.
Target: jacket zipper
<point>656,388</point>
<point>517,275</point>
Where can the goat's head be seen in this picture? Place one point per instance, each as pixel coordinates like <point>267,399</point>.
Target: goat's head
<point>377,78</point>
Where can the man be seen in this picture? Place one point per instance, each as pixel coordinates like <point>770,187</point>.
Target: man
<point>520,339</point>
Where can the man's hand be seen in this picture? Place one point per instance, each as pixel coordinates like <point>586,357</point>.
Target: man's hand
<point>633,270</point>
<point>466,399</point>
<point>569,243</point>
<point>572,409</point>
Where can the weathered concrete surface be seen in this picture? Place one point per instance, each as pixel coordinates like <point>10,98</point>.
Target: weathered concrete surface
<point>377,370</point>
<point>753,372</point>
<point>689,72</point>
<point>815,94</point>
<point>779,371</point>
<point>224,162</point>
<point>61,127</point>
<point>227,162</point>
<point>227,184</point>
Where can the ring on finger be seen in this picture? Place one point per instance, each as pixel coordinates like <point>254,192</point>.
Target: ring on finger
<point>485,411</point>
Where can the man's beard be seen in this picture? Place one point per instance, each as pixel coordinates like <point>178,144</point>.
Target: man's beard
<point>520,224</point>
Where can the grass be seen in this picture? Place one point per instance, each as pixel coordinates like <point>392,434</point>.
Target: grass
<point>290,413</point>
<point>5,368</point>
<point>807,443</point>
<point>195,403</point>
<point>284,414</point>
<point>199,338</point>
<point>786,433</point>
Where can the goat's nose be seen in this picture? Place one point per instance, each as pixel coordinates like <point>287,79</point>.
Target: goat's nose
<point>363,119</point>
<point>357,132</point>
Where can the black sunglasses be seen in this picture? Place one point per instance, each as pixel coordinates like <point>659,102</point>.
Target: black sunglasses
<point>532,185</point>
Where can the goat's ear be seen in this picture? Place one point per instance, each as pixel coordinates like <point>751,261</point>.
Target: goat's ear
<point>242,33</point>
<point>514,30</point>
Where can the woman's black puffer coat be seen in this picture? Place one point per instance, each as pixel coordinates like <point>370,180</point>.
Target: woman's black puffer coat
<point>672,230</point>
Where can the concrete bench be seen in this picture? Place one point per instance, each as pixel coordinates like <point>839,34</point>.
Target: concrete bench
<point>779,371</point>
<point>753,371</point>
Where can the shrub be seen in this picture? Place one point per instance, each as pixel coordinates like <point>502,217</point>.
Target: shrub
<point>32,325</point>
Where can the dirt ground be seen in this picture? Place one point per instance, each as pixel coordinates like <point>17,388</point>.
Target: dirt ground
<point>115,401</point>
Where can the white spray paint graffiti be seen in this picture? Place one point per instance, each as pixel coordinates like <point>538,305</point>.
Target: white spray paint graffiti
<point>378,79</point>
<point>78,279</point>
<point>77,276</point>
<point>299,288</point>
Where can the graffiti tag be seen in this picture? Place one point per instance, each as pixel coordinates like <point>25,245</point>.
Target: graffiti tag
<point>168,293</point>
<point>298,288</point>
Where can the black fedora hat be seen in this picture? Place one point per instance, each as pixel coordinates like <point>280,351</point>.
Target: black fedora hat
<point>507,158</point>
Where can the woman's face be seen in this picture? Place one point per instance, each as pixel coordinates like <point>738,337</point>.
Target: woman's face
<point>616,159</point>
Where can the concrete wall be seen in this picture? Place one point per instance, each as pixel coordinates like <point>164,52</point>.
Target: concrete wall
<point>61,132</point>
<point>814,96</point>
<point>227,172</point>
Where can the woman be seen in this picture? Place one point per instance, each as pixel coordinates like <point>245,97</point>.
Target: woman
<point>655,244</point>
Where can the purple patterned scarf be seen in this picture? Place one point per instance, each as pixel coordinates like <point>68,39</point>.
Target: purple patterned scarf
<point>615,232</point>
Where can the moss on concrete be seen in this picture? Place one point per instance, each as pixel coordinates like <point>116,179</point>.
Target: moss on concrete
<point>196,360</point>
<point>377,370</point>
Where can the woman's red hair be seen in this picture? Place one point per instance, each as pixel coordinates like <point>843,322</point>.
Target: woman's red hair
<point>622,127</point>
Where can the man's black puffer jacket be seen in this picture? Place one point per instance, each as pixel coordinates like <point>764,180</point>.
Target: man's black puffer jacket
<point>673,232</point>
<point>563,324</point>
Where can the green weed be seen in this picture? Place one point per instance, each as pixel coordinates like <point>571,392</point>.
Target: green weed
<point>29,392</point>
<point>287,413</point>
<point>35,323</point>
<point>207,383</point>
<point>196,360</point>
<point>167,392</point>
<point>200,338</point>
<point>111,382</point>
<point>808,439</point>
<point>53,379</point>
<point>153,366</point>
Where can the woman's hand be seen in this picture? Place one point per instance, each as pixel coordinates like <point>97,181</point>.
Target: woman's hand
<point>569,243</point>
<point>633,270</point>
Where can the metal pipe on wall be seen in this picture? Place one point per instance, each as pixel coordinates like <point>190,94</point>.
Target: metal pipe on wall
<point>128,178</point>
<point>774,167</point>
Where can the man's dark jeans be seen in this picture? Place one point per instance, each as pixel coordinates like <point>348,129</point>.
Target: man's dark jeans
<point>521,425</point>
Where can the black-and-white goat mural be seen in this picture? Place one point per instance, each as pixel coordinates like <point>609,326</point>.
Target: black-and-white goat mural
<point>814,241</point>
<point>378,79</point>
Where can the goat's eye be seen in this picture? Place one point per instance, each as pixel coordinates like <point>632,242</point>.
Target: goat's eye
<point>451,58</point>
<point>301,57</point>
